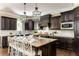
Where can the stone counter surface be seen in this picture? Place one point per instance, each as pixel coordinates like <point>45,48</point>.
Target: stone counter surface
<point>72,37</point>
<point>35,47</point>
<point>40,41</point>
<point>35,41</point>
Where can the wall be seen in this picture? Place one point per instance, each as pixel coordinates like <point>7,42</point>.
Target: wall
<point>20,26</point>
<point>36,27</point>
<point>13,15</point>
<point>20,23</point>
<point>61,33</point>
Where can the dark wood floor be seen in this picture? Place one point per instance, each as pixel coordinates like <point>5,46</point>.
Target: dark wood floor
<point>60,52</point>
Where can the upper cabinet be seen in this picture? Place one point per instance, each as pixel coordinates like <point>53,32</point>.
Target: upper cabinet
<point>76,22</point>
<point>29,25</point>
<point>8,23</point>
<point>55,22</point>
<point>76,12</point>
<point>44,20</point>
<point>52,22</point>
<point>67,16</point>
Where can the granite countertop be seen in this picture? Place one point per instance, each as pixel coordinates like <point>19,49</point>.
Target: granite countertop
<point>36,41</point>
<point>40,41</point>
<point>64,36</point>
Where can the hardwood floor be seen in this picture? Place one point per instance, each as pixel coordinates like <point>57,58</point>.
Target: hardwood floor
<point>3,51</point>
<point>60,52</point>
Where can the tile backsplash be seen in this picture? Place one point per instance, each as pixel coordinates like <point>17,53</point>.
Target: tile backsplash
<point>64,33</point>
<point>7,32</point>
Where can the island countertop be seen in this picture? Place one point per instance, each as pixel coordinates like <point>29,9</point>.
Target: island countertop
<point>42,41</point>
<point>64,36</point>
<point>38,44</point>
<point>38,41</point>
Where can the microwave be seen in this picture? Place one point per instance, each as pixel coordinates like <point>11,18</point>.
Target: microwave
<point>67,25</point>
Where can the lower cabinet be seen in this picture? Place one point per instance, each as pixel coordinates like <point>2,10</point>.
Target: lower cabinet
<point>4,42</point>
<point>49,49</point>
<point>65,43</point>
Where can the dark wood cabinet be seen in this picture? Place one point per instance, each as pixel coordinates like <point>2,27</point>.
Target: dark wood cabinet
<point>51,22</point>
<point>29,25</point>
<point>76,27</point>
<point>62,42</point>
<point>65,43</point>
<point>67,16</point>
<point>8,23</point>
<point>76,32</point>
<point>71,15</point>
<point>4,41</point>
<point>13,24</point>
<point>44,20</point>
<point>76,22</point>
<point>4,23</point>
<point>76,12</point>
<point>26,26</point>
<point>49,49</point>
<point>55,22</point>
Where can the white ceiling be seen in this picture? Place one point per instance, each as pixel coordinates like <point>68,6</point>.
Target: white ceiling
<point>45,8</point>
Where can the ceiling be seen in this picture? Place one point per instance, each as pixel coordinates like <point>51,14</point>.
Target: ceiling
<point>45,8</point>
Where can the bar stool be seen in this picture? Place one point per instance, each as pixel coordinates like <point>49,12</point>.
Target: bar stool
<point>9,44</point>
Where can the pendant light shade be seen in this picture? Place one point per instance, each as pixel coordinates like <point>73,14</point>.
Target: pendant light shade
<point>36,14</point>
<point>24,17</point>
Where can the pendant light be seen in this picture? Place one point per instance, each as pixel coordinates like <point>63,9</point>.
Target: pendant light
<point>36,14</point>
<point>24,17</point>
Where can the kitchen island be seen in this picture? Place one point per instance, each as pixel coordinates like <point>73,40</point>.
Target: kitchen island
<point>63,42</point>
<point>39,47</point>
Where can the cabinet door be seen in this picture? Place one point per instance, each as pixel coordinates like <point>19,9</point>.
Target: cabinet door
<point>76,41</point>
<point>8,23</point>
<point>4,41</point>
<point>26,26</point>
<point>62,43</point>
<point>64,17</point>
<point>48,49</point>
<point>76,46</point>
<point>67,16</point>
<point>65,43</point>
<point>12,24</point>
<point>71,15</point>
<point>55,23</point>
<point>44,20</point>
<point>29,25</point>
<point>70,44</point>
<point>76,12</point>
<point>76,27</point>
<point>2,24</point>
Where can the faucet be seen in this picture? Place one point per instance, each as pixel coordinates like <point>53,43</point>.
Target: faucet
<point>54,33</point>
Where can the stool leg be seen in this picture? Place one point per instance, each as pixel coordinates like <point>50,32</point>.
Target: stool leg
<point>9,50</point>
